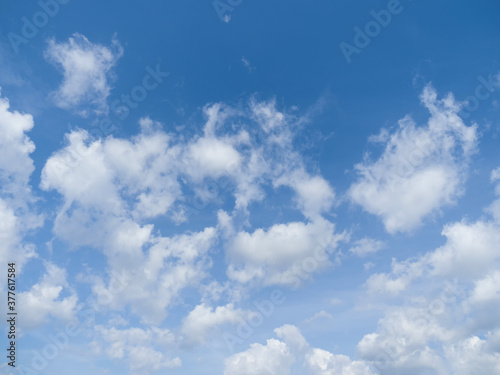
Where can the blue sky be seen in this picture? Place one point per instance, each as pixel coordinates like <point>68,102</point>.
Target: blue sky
<point>236,187</point>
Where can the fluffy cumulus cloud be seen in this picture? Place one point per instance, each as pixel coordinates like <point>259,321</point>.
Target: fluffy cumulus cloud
<point>16,164</point>
<point>291,352</point>
<point>469,253</point>
<point>486,289</point>
<point>111,189</point>
<point>152,282</point>
<point>421,169</point>
<point>51,296</point>
<point>17,202</point>
<point>143,349</point>
<point>164,285</point>
<point>45,300</point>
<point>452,330</point>
<point>322,362</point>
<point>402,343</point>
<point>105,175</point>
<point>285,254</point>
<point>474,355</point>
<point>431,339</point>
<point>86,69</point>
<point>401,276</point>
<point>201,322</point>
<point>366,246</point>
<point>272,358</point>
<point>314,195</point>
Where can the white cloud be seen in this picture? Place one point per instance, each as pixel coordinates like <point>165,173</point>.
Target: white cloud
<point>17,216</point>
<point>494,208</point>
<point>15,147</point>
<point>118,321</point>
<point>322,362</point>
<point>322,315</point>
<point>153,280</point>
<point>278,358</point>
<point>210,156</point>
<point>86,69</point>
<point>44,299</point>
<point>201,322</point>
<point>470,250</point>
<point>112,177</point>
<point>403,273</point>
<point>293,338</point>
<point>12,248</point>
<point>285,254</point>
<point>336,301</point>
<point>486,289</point>
<point>314,194</point>
<point>368,265</point>
<point>111,189</point>
<point>434,339</point>
<point>253,163</point>
<point>402,343</point>
<point>273,358</point>
<point>267,115</point>
<point>247,64</point>
<point>421,169</point>
<point>472,356</point>
<point>141,348</point>
<point>495,175</point>
<point>469,253</point>
<point>454,331</point>
<point>366,246</point>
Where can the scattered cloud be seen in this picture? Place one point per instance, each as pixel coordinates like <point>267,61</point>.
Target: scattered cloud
<point>293,352</point>
<point>143,349</point>
<point>319,316</point>
<point>468,253</point>
<point>201,322</point>
<point>277,256</point>
<point>366,246</point>
<point>421,169</point>
<point>247,64</point>
<point>44,299</point>
<point>17,202</point>
<point>87,70</point>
